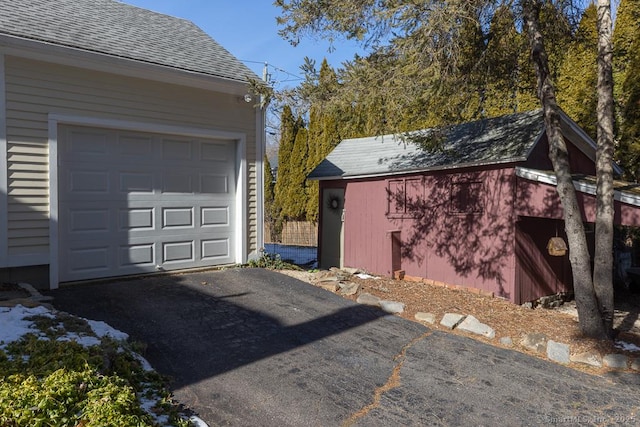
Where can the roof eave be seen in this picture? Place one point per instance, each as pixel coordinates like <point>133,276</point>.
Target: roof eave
<point>71,56</point>
<point>543,177</point>
<point>419,170</point>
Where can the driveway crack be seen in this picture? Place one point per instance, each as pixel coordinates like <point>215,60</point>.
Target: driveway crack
<point>392,382</point>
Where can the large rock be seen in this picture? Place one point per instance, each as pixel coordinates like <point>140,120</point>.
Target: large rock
<point>535,341</point>
<point>451,320</point>
<point>474,326</point>
<point>635,365</point>
<point>592,359</point>
<point>368,299</point>
<point>615,361</point>
<point>558,352</point>
<point>426,317</point>
<point>330,284</point>
<point>392,307</point>
<point>349,288</point>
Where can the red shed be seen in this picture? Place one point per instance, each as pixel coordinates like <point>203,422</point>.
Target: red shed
<point>478,211</point>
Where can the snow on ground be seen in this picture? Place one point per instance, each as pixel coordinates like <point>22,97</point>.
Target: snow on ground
<point>627,346</point>
<point>14,324</point>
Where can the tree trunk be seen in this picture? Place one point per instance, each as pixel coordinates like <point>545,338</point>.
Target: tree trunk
<point>603,261</point>
<point>586,302</point>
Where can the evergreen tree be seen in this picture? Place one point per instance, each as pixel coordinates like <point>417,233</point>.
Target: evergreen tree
<point>295,195</point>
<point>270,212</point>
<point>629,149</point>
<point>289,126</point>
<point>625,73</point>
<point>578,74</point>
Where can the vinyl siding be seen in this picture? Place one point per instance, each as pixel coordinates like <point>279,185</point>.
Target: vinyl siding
<point>35,89</point>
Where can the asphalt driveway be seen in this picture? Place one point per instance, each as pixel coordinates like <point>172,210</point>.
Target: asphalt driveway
<point>254,347</point>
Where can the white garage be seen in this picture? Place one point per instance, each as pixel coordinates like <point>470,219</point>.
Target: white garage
<point>133,202</point>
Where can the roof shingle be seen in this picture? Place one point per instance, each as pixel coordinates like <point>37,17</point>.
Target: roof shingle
<point>503,139</point>
<point>114,28</point>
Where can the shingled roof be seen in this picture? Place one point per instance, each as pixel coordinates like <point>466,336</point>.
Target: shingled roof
<point>121,30</point>
<point>498,140</point>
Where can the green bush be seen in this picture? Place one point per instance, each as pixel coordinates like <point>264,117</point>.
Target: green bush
<point>273,262</point>
<point>45,382</point>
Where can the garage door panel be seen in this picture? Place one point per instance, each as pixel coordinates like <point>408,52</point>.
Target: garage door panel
<point>88,181</point>
<point>215,152</point>
<point>178,217</point>
<point>176,150</point>
<point>213,249</point>
<point>214,184</point>
<point>86,144</point>
<point>130,202</point>
<point>175,183</point>
<point>136,219</point>
<point>179,251</point>
<point>135,147</point>
<point>82,221</point>
<point>92,259</point>
<point>214,216</point>
<point>136,182</point>
<point>136,255</point>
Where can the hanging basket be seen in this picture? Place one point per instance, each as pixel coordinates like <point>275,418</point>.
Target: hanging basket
<point>557,246</point>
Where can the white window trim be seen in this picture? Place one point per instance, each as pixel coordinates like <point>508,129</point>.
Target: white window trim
<point>241,175</point>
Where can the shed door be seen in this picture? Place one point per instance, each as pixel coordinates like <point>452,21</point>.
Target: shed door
<point>138,202</point>
<point>332,248</point>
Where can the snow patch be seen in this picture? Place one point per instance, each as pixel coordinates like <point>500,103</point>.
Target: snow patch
<point>626,346</point>
<point>101,329</point>
<point>13,324</point>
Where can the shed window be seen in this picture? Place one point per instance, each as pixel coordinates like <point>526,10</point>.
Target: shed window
<point>405,197</point>
<point>465,198</point>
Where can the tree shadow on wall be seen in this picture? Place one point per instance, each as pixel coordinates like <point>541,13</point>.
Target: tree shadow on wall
<point>465,219</point>
<point>468,220</point>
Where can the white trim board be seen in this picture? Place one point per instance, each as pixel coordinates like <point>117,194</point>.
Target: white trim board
<point>584,187</point>
<point>241,172</point>
<point>4,184</point>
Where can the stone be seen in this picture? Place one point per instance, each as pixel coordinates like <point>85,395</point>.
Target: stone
<point>368,299</point>
<point>558,352</point>
<point>349,288</point>
<point>592,359</point>
<point>506,341</point>
<point>635,365</point>
<point>351,271</point>
<point>451,320</point>
<point>615,361</point>
<point>535,341</point>
<point>330,284</point>
<point>391,307</point>
<point>426,317</point>
<point>474,326</point>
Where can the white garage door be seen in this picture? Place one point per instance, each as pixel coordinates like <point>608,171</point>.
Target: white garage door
<point>137,202</point>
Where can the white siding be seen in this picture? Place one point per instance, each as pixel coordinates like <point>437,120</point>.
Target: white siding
<point>36,89</point>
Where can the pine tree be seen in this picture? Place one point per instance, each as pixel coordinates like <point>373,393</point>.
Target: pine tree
<point>270,212</point>
<point>626,86</point>
<point>578,74</point>
<point>289,126</point>
<point>296,199</point>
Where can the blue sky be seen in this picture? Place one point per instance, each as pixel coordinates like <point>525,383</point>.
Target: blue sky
<point>248,29</point>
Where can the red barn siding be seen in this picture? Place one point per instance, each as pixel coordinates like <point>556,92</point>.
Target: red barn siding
<point>578,161</point>
<point>458,228</point>
<point>541,200</point>
<point>538,273</point>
